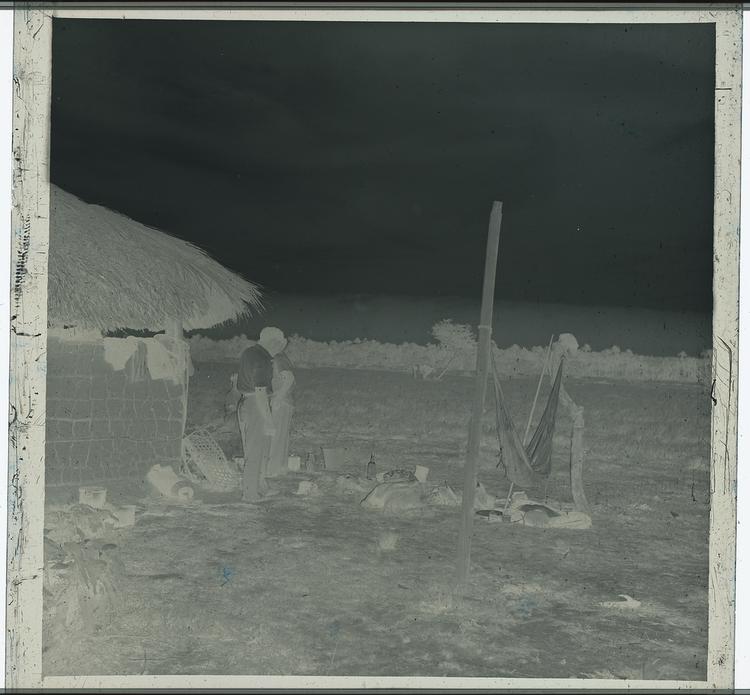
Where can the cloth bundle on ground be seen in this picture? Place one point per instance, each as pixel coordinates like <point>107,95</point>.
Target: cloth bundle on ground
<point>78,522</point>
<point>528,512</point>
<point>396,496</point>
<point>166,483</point>
<point>396,475</point>
<point>406,495</point>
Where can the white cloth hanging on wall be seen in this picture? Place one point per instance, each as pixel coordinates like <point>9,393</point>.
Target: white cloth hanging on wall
<point>117,351</point>
<point>168,358</point>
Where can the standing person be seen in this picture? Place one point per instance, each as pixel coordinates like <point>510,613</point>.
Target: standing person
<point>565,347</point>
<point>282,407</point>
<point>254,382</point>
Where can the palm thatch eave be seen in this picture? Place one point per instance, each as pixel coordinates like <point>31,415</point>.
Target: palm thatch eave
<point>108,273</point>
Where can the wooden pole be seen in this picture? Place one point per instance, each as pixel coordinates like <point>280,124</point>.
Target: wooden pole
<point>174,328</point>
<point>480,393</point>
<point>576,464</point>
<point>496,391</point>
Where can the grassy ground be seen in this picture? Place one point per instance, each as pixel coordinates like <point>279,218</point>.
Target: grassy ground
<point>299,585</point>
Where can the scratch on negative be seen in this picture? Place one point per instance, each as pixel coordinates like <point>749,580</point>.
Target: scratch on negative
<point>22,260</point>
<point>20,580</point>
<point>727,415</point>
<point>32,19</point>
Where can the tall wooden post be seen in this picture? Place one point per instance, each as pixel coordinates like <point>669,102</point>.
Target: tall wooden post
<point>576,463</point>
<point>174,328</point>
<point>475,425</point>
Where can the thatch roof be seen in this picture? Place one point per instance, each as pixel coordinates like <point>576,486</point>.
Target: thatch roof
<point>107,272</point>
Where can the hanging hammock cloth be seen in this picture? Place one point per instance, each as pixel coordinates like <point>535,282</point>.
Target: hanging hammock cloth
<point>528,465</point>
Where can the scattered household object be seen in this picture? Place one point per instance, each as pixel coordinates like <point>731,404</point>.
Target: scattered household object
<point>397,474</point>
<point>483,499</point>
<point>308,488</point>
<point>387,541</point>
<point>534,515</point>
<point>314,461</point>
<point>295,463</point>
<point>528,512</point>
<point>370,472</point>
<point>204,463</point>
<point>628,603</point>
<point>491,515</point>
<point>396,497</point>
<point>125,515</point>
<point>78,522</point>
<point>421,473</point>
<point>319,461</point>
<point>400,490</point>
<point>166,483</point>
<point>93,496</point>
<point>443,495</point>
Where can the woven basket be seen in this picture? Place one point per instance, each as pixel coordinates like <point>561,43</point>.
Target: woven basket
<point>205,464</point>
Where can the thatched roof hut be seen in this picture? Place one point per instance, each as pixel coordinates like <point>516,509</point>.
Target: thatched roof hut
<point>108,272</point>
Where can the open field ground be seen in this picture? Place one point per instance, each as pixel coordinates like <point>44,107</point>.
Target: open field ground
<point>301,585</point>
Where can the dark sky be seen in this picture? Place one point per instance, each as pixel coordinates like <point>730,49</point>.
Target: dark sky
<point>364,158</point>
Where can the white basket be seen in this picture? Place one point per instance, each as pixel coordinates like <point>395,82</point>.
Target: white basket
<point>204,462</point>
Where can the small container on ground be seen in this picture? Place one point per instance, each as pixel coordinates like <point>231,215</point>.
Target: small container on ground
<point>93,496</point>
<point>387,541</point>
<point>125,515</point>
<point>370,471</point>
<point>166,483</point>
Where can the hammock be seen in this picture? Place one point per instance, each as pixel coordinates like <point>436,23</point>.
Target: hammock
<point>528,465</point>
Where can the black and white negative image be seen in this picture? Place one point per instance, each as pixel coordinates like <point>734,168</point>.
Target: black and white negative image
<point>272,244</point>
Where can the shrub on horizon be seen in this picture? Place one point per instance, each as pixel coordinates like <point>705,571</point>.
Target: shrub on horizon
<point>454,336</point>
